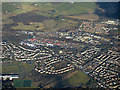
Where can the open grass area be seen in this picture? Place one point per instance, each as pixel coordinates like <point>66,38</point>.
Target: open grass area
<point>91,17</point>
<point>17,7</point>
<point>76,8</point>
<point>60,26</point>
<point>21,26</point>
<point>54,25</point>
<point>78,77</point>
<point>71,21</point>
<point>19,11</point>
<point>27,8</point>
<point>48,10</point>
<point>26,67</point>
<point>10,68</point>
<point>63,8</point>
<point>64,25</point>
<point>8,7</point>
<point>7,21</point>
<point>47,25</point>
<point>75,80</point>
<point>16,67</point>
<point>24,9</point>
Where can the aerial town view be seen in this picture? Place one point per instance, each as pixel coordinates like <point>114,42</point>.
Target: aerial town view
<point>60,45</point>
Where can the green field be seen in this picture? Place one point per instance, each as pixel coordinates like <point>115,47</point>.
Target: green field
<point>79,78</point>
<point>16,67</point>
<point>52,25</point>
<point>65,8</point>
<point>47,25</point>
<point>21,26</point>
<point>27,67</point>
<point>49,10</point>
<point>62,8</point>
<point>8,7</point>
<point>76,8</point>
<point>10,68</point>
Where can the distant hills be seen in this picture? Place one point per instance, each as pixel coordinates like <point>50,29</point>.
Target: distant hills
<point>111,9</point>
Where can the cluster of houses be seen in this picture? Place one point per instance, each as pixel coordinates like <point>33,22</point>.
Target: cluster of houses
<point>90,53</point>
<point>47,42</point>
<point>104,69</point>
<point>95,27</point>
<point>77,34</point>
<point>21,53</point>
<point>6,50</point>
<point>116,22</point>
<point>91,38</point>
<point>102,66</point>
<point>46,58</point>
<point>25,32</point>
<point>82,36</point>
<point>50,69</point>
<point>117,36</point>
